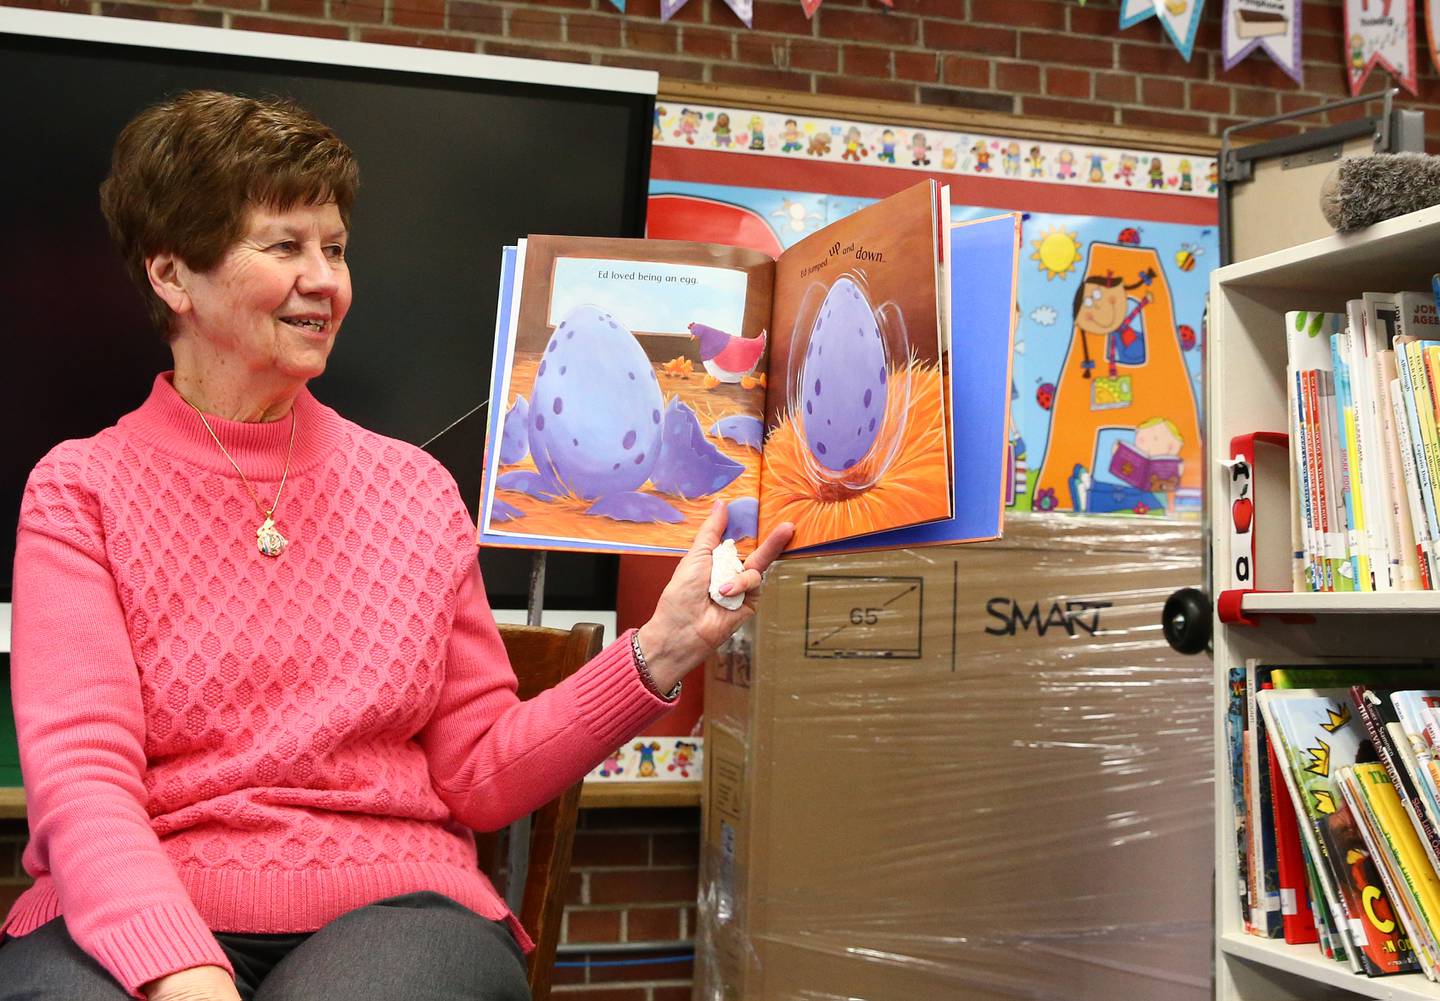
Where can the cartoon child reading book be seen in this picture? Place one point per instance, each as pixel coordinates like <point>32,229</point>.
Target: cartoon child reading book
<point>1140,473</point>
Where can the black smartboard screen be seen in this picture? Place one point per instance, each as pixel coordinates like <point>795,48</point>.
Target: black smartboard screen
<point>452,168</point>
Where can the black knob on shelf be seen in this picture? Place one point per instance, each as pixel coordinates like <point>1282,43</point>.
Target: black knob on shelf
<point>1186,620</point>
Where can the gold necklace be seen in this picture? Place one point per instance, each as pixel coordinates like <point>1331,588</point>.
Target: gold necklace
<point>267,537</point>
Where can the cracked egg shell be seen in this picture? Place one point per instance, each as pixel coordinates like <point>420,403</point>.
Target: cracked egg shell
<point>596,407</point>
<point>843,380</point>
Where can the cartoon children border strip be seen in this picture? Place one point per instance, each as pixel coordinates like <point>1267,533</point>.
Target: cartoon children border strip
<point>772,134</point>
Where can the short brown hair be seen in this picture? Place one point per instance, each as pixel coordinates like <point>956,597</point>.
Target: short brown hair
<point>185,172</point>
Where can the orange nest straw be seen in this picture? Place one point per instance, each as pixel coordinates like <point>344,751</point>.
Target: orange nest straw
<point>905,494</point>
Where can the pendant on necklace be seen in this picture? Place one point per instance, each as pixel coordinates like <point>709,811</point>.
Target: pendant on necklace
<point>269,539</point>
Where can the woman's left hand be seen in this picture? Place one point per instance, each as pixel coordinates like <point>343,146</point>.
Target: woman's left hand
<point>687,624</point>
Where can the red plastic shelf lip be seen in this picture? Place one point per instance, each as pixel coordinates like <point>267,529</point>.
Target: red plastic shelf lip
<point>1230,606</point>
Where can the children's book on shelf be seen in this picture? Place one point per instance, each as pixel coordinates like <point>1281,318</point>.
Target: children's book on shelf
<point>858,386</point>
<point>1413,709</point>
<point>1408,873</point>
<point>1266,887</point>
<point>1377,714</point>
<point>1310,382</point>
<point>1297,914</point>
<point>1351,449</point>
<point>1236,732</point>
<point>1263,874</point>
<point>1318,733</point>
<point>1364,416</point>
<point>1374,318</point>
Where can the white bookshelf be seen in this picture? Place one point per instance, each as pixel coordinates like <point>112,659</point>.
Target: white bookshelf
<point>1247,393</point>
<point>1362,603</point>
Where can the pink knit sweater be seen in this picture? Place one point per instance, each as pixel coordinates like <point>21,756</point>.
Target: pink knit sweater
<point>212,739</point>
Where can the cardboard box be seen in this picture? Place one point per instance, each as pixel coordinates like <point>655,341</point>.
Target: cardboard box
<point>975,772</point>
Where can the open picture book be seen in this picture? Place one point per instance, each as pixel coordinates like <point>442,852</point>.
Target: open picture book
<point>858,386</point>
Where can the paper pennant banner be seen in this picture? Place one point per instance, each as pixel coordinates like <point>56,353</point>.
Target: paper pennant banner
<point>1180,18</point>
<point>1271,25</point>
<point>811,6</point>
<point>743,10</point>
<point>1432,30</point>
<point>1380,33</point>
<point>619,5</point>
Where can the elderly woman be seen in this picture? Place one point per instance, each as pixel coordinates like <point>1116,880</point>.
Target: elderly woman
<point>259,691</point>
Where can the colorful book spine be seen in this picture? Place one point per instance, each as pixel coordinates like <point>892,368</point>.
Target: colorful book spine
<point>1430,355</point>
<point>1330,943</point>
<point>1315,481</point>
<point>1369,473</point>
<point>1352,490</point>
<point>1379,322</point>
<point>1264,873</point>
<point>1419,524</point>
<point>1414,565</point>
<point>1417,442</point>
<point>1300,456</point>
<point>1319,488</point>
<point>1337,571</point>
<point>1309,360</point>
<point>1235,726</point>
<point>1414,357</point>
<point>1405,570</point>
<point>1297,915</point>
<point>1418,754</point>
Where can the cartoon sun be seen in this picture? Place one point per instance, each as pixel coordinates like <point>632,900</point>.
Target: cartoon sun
<point>1057,251</point>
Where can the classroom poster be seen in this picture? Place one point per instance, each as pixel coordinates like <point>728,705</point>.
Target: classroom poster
<point>1106,394</point>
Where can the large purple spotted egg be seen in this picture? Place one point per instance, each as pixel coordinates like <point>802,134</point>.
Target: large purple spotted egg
<point>596,407</point>
<point>843,379</point>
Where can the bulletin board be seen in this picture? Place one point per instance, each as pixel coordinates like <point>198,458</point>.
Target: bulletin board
<point>1119,237</point>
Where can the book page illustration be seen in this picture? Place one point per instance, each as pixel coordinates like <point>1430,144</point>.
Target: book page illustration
<point>856,436</point>
<point>632,395</point>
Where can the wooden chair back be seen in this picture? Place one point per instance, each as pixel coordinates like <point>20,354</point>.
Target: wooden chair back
<point>542,658</point>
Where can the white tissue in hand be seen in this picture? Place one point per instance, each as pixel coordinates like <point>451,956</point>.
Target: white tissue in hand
<point>725,565</point>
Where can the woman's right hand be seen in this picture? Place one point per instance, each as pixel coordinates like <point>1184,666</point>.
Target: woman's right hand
<point>201,983</point>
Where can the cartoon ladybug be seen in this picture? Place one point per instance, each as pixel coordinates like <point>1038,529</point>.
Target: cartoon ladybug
<point>1045,395</point>
<point>1130,235</point>
<point>1187,337</point>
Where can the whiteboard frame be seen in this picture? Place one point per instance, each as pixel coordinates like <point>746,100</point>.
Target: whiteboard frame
<point>324,51</point>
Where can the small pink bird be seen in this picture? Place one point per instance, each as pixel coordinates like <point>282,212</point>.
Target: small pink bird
<point>728,358</point>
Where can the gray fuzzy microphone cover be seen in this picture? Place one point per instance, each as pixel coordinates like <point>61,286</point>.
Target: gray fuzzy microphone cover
<point>1366,189</point>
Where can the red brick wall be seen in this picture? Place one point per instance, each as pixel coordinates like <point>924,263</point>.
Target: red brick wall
<point>1048,58</point>
<point>633,879</point>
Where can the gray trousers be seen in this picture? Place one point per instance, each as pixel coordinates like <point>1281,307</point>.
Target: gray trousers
<point>415,947</point>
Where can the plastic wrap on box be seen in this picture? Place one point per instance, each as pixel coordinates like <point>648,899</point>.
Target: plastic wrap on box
<point>971,772</point>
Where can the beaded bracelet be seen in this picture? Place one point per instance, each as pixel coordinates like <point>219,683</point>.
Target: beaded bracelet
<point>645,676</point>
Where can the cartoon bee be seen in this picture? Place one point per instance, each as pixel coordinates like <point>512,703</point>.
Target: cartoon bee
<point>1186,256</point>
